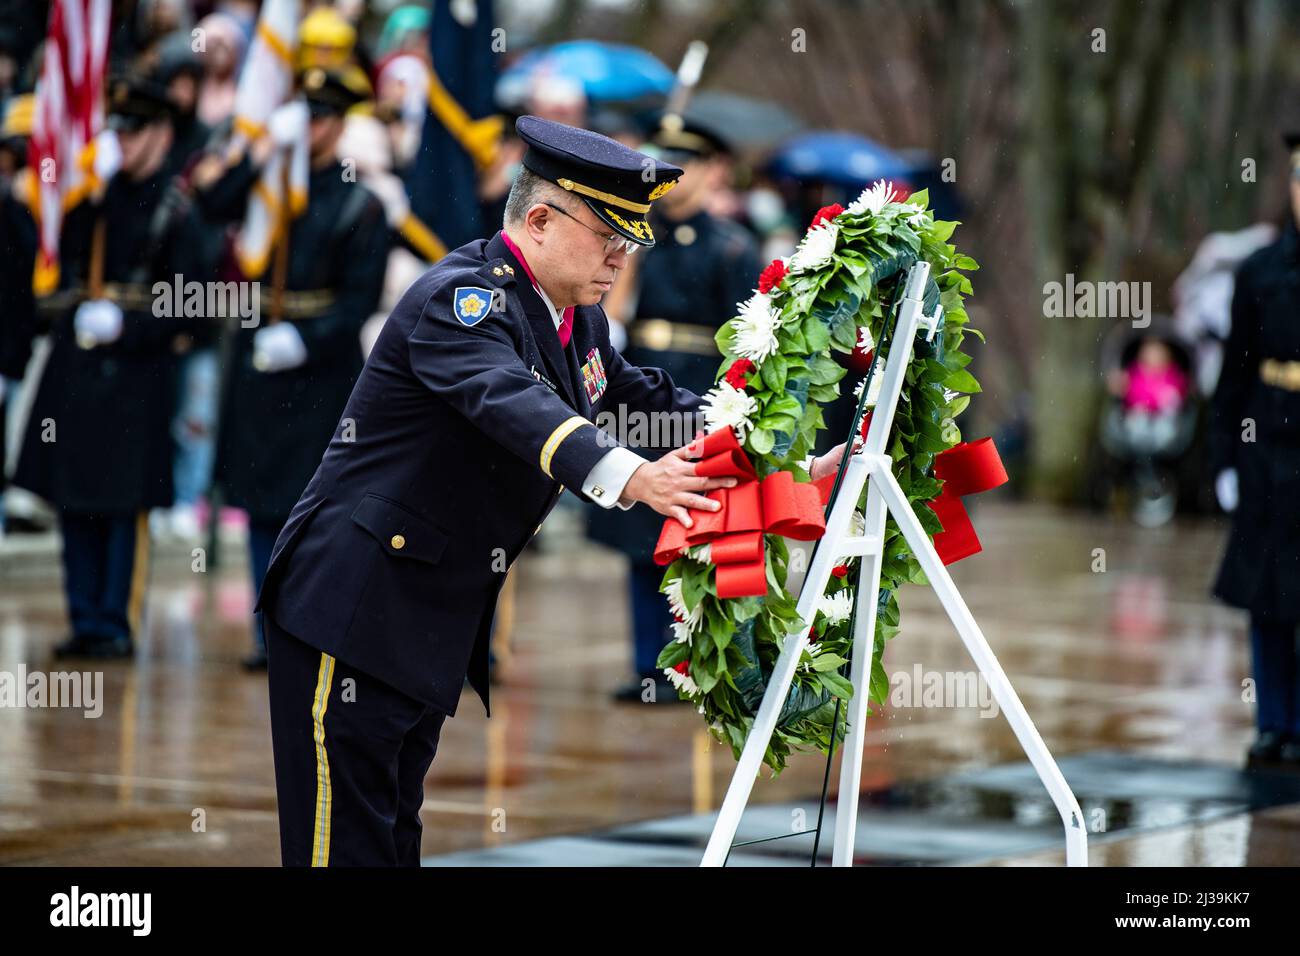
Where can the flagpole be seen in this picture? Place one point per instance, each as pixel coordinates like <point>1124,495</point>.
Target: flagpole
<point>280,267</point>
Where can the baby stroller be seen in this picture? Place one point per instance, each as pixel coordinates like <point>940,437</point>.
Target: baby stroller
<point>1149,417</point>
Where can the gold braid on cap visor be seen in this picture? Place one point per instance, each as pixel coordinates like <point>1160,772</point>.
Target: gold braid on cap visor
<point>569,184</point>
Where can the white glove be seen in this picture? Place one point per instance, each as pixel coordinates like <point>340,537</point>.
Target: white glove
<point>287,124</point>
<point>1225,488</point>
<point>278,347</point>
<point>108,155</point>
<point>97,322</point>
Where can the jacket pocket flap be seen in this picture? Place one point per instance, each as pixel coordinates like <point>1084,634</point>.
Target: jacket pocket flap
<point>402,533</point>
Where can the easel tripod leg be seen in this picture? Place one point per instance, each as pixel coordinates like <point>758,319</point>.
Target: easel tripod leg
<point>1076,838</point>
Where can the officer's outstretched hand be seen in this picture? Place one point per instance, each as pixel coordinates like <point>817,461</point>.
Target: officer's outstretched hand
<point>671,487</point>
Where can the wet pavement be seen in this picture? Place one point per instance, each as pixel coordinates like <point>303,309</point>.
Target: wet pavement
<point>1131,672</point>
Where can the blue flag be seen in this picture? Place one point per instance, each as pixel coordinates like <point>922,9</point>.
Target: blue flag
<point>460,130</point>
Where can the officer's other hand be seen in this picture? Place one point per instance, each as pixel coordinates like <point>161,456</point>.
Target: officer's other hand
<point>829,463</point>
<point>671,487</point>
<point>278,347</point>
<point>97,322</point>
<point>1225,489</point>
<point>287,124</point>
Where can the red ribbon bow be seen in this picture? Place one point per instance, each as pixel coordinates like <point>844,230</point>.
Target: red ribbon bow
<point>965,469</point>
<point>776,505</point>
<point>780,505</point>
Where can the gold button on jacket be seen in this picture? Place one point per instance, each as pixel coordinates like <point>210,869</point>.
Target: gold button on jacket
<point>398,542</point>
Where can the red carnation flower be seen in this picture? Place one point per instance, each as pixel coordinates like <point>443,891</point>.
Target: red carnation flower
<point>735,375</point>
<point>826,214</point>
<point>771,277</point>
<point>840,570</point>
<point>866,423</point>
<point>683,668</point>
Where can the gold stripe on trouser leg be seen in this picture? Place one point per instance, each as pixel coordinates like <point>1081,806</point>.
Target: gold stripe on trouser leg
<point>320,843</point>
<point>139,573</point>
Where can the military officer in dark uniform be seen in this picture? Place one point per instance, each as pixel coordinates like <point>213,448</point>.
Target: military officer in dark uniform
<point>475,409</point>
<point>687,287</point>
<point>290,375</point>
<point>1255,453</point>
<point>98,443</point>
<point>17,257</point>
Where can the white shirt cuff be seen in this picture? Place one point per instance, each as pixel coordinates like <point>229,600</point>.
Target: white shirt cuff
<point>608,477</point>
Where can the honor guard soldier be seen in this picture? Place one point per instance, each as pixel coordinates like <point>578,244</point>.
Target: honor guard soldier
<point>474,411</point>
<point>290,375</point>
<point>17,259</point>
<point>98,444</point>
<point>686,288</point>
<point>1255,456</point>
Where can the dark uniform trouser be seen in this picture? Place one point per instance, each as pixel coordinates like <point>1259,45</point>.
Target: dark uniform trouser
<point>261,542</point>
<point>652,621</point>
<point>351,754</point>
<point>105,564</point>
<point>1276,669</point>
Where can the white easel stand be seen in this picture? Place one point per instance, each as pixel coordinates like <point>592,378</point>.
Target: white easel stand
<point>872,466</point>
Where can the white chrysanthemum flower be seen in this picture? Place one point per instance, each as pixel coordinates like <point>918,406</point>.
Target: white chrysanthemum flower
<point>677,604</point>
<point>729,407</point>
<point>918,218</point>
<point>703,553</point>
<point>873,199</point>
<point>682,681</point>
<point>857,528</point>
<point>816,248</point>
<point>681,633</point>
<point>865,342</point>
<point>810,652</point>
<point>756,328</point>
<point>837,607</point>
<point>877,380</point>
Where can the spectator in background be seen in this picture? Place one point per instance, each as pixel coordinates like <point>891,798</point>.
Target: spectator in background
<point>402,95</point>
<point>223,51</point>
<point>405,31</point>
<point>560,99</point>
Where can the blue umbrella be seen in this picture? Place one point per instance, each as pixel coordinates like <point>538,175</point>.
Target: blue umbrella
<point>607,72</point>
<point>843,158</point>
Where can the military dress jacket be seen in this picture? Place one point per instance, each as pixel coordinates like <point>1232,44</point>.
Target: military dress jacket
<point>466,423</point>
<point>1255,428</point>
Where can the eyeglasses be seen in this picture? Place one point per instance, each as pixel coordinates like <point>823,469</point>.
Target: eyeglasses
<point>612,241</point>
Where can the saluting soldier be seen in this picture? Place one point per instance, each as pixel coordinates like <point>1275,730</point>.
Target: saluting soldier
<point>475,409</point>
<point>1255,455</point>
<point>98,443</point>
<point>686,288</point>
<point>291,374</point>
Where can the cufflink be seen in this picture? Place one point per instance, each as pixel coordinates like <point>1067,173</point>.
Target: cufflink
<point>597,491</point>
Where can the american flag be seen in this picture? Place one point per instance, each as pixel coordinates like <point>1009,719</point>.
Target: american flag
<point>69,115</point>
<point>265,82</point>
